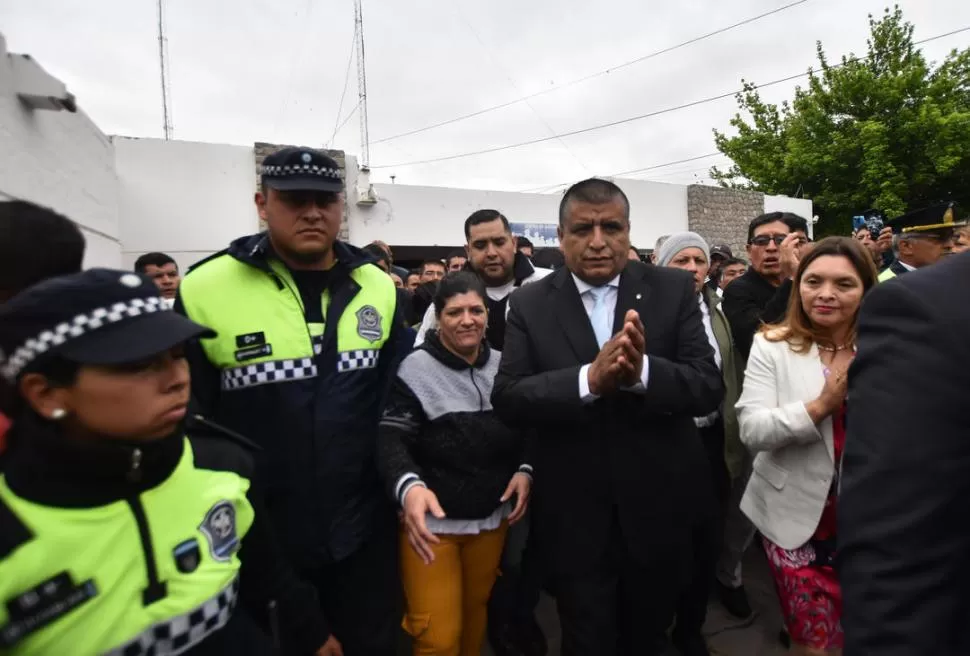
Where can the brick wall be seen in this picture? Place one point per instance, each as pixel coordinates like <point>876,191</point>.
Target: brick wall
<point>261,150</point>
<point>721,216</point>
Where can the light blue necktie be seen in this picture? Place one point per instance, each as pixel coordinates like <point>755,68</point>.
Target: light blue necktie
<point>600,316</point>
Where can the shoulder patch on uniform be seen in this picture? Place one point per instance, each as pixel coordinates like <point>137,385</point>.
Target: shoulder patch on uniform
<point>13,532</point>
<point>369,323</point>
<point>219,528</point>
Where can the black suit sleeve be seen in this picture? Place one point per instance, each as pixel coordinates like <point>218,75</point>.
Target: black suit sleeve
<point>691,383</point>
<point>206,384</point>
<point>903,534</point>
<point>521,395</point>
<point>745,314</point>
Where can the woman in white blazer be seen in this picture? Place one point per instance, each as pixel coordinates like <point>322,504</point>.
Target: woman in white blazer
<point>791,414</point>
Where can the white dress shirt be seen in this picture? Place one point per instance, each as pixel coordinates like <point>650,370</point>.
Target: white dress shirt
<point>703,422</point>
<point>613,289</point>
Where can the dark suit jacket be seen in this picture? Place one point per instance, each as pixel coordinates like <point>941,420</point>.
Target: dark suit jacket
<point>904,509</point>
<point>637,456</point>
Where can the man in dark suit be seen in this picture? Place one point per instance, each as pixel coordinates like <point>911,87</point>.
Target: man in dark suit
<point>607,359</point>
<point>904,539</point>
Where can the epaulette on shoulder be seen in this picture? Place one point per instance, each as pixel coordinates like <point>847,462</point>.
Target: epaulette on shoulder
<point>198,425</point>
<point>13,532</point>
<point>205,260</point>
<point>217,448</point>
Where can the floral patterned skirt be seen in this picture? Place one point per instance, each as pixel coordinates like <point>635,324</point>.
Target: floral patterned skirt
<point>811,599</point>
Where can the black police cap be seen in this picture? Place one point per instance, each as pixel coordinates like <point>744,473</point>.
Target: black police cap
<point>303,169</point>
<point>928,219</point>
<point>98,317</point>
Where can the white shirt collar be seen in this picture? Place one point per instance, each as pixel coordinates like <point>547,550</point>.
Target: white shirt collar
<point>908,267</point>
<point>584,287</point>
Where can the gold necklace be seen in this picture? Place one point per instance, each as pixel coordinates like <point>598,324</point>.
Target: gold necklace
<point>834,349</point>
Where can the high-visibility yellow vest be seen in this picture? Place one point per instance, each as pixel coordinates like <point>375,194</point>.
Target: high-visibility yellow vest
<point>263,336</point>
<point>888,274</point>
<point>156,573</point>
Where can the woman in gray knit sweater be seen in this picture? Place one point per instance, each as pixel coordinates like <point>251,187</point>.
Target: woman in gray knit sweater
<point>456,471</point>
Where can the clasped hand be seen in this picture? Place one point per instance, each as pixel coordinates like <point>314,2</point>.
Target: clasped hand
<point>620,361</point>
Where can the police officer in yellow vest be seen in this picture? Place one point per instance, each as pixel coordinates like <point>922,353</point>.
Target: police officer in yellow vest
<point>308,332</point>
<point>120,534</point>
<point>921,238</point>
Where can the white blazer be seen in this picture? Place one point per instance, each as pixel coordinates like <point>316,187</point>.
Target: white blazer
<point>794,460</point>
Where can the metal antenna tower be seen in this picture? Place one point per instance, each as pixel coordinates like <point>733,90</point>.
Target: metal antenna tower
<point>361,85</point>
<point>162,61</point>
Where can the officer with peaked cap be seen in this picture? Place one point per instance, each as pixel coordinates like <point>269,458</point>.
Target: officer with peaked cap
<point>309,331</point>
<point>122,525</point>
<point>921,238</point>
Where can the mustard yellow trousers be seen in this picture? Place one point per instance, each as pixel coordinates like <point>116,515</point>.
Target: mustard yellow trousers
<point>447,601</point>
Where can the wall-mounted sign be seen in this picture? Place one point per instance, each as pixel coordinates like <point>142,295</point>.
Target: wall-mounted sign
<point>540,234</point>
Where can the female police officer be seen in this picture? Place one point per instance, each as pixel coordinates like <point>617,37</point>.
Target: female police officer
<point>118,534</point>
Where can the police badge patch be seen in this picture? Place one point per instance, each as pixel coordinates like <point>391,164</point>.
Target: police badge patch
<point>187,556</point>
<point>369,323</point>
<point>219,528</point>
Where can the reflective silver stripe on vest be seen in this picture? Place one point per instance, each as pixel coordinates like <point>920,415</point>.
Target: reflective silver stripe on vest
<point>179,634</point>
<point>276,371</point>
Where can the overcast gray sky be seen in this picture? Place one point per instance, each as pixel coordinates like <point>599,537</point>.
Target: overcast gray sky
<point>273,70</point>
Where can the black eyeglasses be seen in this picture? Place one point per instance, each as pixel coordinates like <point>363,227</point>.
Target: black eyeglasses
<point>764,240</point>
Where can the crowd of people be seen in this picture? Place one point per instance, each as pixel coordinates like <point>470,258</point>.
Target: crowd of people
<point>300,447</point>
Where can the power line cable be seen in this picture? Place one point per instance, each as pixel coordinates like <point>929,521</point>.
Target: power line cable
<point>631,172</point>
<point>343,94</point>
<point>508,77</point>
<point>586,78</point>
<point>639,117</point>
<point>297,52</point>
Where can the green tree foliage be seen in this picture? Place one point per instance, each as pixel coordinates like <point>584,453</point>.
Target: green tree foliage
<point>888,130</point>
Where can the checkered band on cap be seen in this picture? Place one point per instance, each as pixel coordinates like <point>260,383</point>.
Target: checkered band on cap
<point>283,171</point>
<point>261,373</point>
<point>79,326</point>
<point>182,632</point>
<point>351,360</point>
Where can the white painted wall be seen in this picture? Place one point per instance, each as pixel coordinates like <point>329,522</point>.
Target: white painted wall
<point>800,206</point>
<point>60,160</point>
<point>183,198</point>
<point>408,215</point>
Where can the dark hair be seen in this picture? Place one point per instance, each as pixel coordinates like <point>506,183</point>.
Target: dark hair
<point>458,252</point>
<point>796,328</point>
<point>153,259</point>
<point>457,282</point>
<point>59,372</point>
<point>414,272</point>
<point>731,261</point>
<point>523,242</point>
<point>35,244</point>
<point>548,258</point>
<point>793,221</point>
<point>484,216</point>
<point>594,191</point>
<point>432,262</point>
<point>378,253</point>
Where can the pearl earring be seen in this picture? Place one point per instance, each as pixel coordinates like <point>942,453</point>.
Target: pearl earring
<point>58,414</point>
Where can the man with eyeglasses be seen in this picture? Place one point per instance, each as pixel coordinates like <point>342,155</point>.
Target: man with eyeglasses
<point>761,294</point>
<point>309,330</point>
<point>921,238</point>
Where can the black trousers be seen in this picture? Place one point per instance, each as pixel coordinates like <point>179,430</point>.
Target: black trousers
<point>707,536</point>
<point>361,597</point>
<point>624,606</point>
<point>516,592</point>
